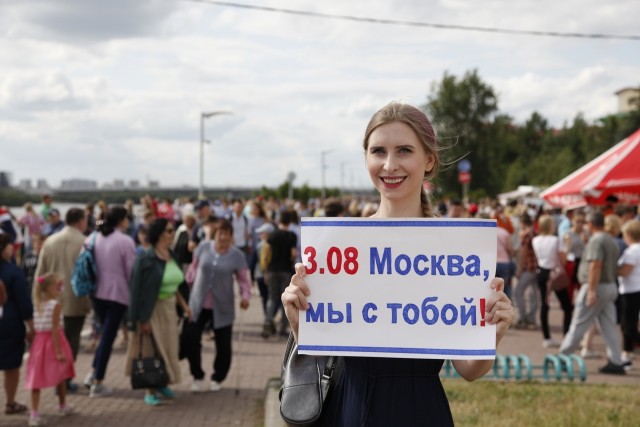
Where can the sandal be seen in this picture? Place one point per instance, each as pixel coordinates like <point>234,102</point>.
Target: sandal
<point>14,408</point>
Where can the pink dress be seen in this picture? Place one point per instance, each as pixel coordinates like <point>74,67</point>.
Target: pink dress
<point>43,369</point>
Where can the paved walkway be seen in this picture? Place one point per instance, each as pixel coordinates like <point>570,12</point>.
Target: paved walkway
<point>241,402</point>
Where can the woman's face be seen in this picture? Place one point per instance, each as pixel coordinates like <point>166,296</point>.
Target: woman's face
<point>167,236</point>
<point>397,161</point>
<point>223,239</point>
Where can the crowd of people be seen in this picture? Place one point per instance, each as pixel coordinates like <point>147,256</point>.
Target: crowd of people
<point>171,266</point>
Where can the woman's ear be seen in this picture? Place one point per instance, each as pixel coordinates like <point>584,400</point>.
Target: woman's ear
<point>431,161</point>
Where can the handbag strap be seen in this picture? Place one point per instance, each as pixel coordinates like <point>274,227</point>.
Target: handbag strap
<point>153,344</point>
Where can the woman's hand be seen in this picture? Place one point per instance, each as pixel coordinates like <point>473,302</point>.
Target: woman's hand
<point>244,304</point>
<point>499,310</point>
<point>60,357</point>
<point>294,298</point>
<point>187,314</point>
<point>145,327</point>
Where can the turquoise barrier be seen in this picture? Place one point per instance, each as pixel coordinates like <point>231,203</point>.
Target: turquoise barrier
<point>519,367</point>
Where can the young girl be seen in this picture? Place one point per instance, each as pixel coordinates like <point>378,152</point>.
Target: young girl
<point>50,360</point>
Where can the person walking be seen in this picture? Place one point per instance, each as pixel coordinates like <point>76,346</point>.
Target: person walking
<point>59,254</point>
<point>549,254</point>
<point>283,245</point>
<point>629,277</point>
<point>212,300</point>
<point>597,295</point>
<point>17,311</point>
<point>527,280</point>
<point>152,312</point>
<point>114,253</point>
<point>50,358</point>
<point>401,153</point>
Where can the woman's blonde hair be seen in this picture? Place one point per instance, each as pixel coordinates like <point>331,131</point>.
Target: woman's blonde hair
<point>612,224</point>
<point>421,126</point>
<point>40,290</point>
<point>546,225</point>
<point>632,229</point>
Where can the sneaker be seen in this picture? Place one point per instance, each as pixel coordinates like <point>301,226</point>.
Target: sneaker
<point>166,392</point>
<point>35,421</point>
<point>197,386</point>
<point>88,380</point>
<point>72,387</point>
<point>627,364</point>
<point>613,369</point>
<point>214,386</point>
<point>65,410</point>
<point>549,343</point>
<point>532,326</point>
<point>520,324</point>
<point>267,330</point>
<point>585,353</point>
<point>99,390</point>
<point>151,399</point>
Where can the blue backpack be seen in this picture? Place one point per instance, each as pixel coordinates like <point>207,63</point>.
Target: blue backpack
<point>85,271</point>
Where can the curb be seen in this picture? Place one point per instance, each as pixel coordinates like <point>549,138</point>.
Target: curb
<point>272,416</point>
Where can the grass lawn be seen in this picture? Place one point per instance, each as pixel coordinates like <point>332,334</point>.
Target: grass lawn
<point>495,404</point>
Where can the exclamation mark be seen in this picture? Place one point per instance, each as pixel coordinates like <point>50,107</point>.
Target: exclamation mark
<point>482,311</point>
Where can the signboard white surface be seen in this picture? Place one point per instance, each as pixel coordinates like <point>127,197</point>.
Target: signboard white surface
<point>410,288</point>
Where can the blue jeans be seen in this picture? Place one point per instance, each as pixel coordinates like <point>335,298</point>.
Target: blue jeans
<point>110,314</point>
<point>505,270</point>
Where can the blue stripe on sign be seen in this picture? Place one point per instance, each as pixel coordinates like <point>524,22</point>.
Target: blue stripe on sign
<point>484,224</point>
<point>399,350</point>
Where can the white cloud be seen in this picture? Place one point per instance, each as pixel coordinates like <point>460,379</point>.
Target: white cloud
<point>111,90</point>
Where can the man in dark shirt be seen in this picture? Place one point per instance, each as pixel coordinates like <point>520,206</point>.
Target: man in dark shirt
<point>283,254</point>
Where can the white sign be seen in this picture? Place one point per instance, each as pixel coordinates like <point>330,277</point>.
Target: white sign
<point>406,288</point>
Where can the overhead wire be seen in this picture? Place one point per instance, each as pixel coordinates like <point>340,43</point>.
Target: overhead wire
<point>496,30</point>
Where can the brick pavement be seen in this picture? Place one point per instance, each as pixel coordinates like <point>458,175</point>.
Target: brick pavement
<point>255,362</point>
<point>239,403</point>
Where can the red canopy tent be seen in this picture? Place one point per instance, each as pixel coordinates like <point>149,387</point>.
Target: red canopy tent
<point>615,172</point>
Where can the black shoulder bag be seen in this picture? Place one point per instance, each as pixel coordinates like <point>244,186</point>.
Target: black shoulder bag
<point>306,383</point>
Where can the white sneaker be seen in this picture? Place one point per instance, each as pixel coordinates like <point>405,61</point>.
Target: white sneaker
<point>588,354</point>
<point>197,386</point>
<point>214,386</point>
<point>549,343</point>
<point>99,390</point>
<point>88,380</point>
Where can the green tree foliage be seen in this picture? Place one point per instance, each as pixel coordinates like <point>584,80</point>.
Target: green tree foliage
<point>504,154</point>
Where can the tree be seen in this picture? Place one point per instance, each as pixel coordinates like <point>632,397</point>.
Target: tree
<point>462,111</point>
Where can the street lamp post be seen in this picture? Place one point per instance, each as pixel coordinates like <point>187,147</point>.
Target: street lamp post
<point>324,166</point>
<point>202,142</point>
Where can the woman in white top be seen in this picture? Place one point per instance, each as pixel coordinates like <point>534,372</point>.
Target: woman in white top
<point>629,272</point>
<point>549,254</point>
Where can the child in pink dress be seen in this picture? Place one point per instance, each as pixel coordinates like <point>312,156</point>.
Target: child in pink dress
<point>50,358</point>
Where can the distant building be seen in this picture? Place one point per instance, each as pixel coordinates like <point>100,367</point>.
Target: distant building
<point>5,179</point>
<point>118,183</point>
<point>134,183</point>
<point>154,184</point>
<point>25,185</point>
<point>78,184</point>
<point>628,99</point>
<point>42,184</point>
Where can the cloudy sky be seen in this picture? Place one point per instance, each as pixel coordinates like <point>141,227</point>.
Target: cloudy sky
<point>114,89</point>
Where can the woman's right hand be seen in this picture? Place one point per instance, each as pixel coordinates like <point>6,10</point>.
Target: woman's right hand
<point>294,298</point>
<point>145,327</point>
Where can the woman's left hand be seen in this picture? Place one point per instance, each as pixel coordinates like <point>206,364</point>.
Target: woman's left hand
<point>499,310</point>
<point>188,314</point>
<point>244,304</point>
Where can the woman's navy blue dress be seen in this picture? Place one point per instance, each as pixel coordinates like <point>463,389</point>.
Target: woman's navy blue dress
<point>17,309</point>
<point>376,392</point>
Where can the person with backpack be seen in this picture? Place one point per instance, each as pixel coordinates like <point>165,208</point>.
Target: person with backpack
<point>114,254</point>
<point>58,254</point>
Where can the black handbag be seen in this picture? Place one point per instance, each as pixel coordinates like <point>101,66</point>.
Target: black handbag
<point>306,383</point>
<point>148,372</point>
